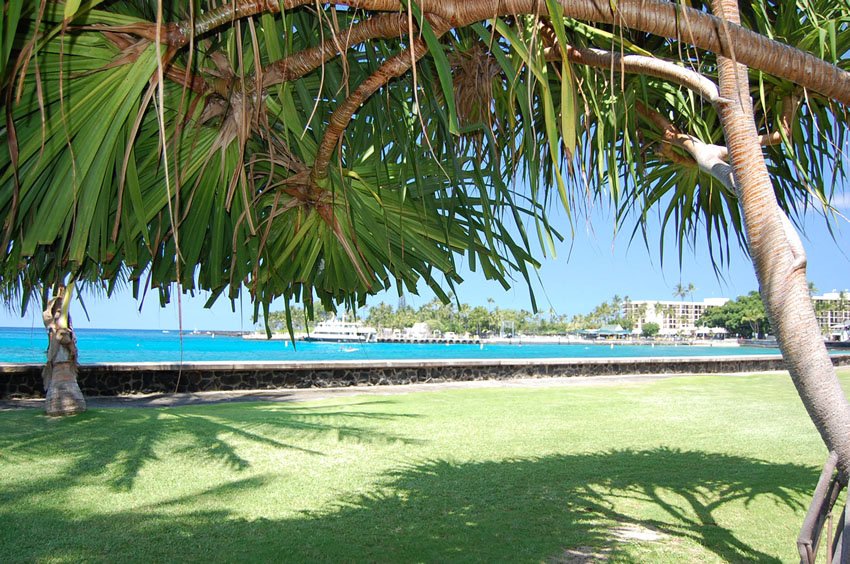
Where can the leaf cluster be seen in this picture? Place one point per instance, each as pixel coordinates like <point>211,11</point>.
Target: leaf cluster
<point>744,316</point>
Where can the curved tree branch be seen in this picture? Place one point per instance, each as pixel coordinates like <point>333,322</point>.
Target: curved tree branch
<point>657,17</point>
<point>392,68</point>
<point>293,67</point>
<point>641,64</point>
<point>709,158</point>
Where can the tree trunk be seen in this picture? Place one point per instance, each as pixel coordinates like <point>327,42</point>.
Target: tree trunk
<point>63,395</point>
<point>780,264</point>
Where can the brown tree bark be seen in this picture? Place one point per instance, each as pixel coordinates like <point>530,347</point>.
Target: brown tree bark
<point>63,395</point>
<point>383,26</point>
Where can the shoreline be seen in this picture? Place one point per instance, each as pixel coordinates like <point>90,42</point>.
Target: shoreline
<point>517,340</point>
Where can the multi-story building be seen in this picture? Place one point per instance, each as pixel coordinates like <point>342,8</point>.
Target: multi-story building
<point>679,318</point>
<point>673,317</point>
<point>832,310</point>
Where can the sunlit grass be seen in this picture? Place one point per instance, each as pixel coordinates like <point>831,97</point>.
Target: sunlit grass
<point>705,468</point>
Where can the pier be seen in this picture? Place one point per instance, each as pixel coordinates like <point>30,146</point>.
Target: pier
<point>431,340</point>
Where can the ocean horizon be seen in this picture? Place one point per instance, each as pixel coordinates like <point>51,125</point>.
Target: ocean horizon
<point>28,346</point>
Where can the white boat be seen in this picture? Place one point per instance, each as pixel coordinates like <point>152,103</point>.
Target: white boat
<point>341,331</point>
<point>839,336</point>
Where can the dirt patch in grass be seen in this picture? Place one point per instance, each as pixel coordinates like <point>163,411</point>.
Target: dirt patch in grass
<point>623,533</point>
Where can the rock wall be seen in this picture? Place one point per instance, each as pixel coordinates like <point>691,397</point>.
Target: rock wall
<point>21,380</point>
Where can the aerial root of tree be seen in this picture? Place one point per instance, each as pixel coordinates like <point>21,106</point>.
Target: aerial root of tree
<point>820,515</point>
<point>841,545</point>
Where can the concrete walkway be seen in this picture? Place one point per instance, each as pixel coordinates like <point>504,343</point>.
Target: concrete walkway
<point>308,394</point>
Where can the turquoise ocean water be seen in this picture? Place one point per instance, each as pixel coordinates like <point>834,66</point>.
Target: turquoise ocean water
<point>23,345</point>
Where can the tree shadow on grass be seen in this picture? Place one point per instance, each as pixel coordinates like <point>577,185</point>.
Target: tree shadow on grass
<point>118,444</point>
<point>516,510</point>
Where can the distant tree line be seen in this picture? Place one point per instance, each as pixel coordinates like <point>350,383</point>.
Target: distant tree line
<point>605,314</point>
<point>475,320</point>
<point>744,316</point>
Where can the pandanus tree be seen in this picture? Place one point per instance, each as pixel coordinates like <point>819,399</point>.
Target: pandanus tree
<point>298,149</point>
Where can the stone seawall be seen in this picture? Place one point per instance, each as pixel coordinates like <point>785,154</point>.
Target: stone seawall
<point>24,380</point>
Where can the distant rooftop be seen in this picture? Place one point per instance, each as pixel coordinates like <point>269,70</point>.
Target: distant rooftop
<point>834,295</point>
<point>703,302</point>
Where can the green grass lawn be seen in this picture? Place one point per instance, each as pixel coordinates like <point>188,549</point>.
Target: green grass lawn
<point>706,468</point>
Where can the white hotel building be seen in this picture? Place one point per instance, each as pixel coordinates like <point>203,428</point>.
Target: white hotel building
<point>673,317</point>
<point>833,314</point>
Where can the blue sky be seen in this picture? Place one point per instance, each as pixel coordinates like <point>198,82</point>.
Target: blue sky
<point>598,266</point>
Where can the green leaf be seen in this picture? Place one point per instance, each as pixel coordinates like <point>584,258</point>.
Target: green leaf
<point>441,62</point>
<point>71,7</point>
<point>9,18</point>
<point>569,111</point>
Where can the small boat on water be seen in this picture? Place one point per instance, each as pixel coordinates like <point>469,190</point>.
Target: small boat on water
<point>839,336</point>
<point>341,331</point>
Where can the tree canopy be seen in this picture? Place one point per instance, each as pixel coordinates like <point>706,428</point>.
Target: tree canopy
<point>650,329</point>
<point>744,316</point>
<point>298,150</point>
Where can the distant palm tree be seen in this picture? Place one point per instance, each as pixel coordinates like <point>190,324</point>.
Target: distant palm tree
<point>616,307</point>
<point>681,291</point>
